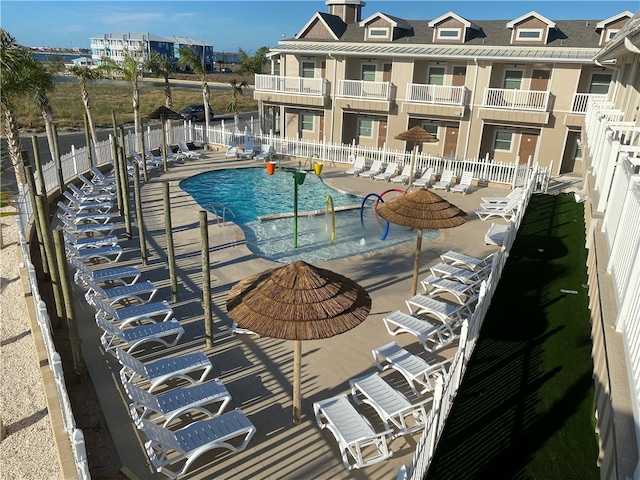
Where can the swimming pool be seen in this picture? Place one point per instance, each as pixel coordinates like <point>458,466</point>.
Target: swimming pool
<point>248,195</point>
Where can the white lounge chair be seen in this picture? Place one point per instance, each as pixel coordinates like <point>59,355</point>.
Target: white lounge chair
<point>472,263</point>
<point>247,150</point>
<point>183,149</point>
<point>352,431</point>
<point>265,152</point>
<point>154,311</point>
<point>465,186</point>
<point>91,187</point>
<point>445,182</point>
<point>124,275</point>
<point>151,163</point>
<point>83,217</point>
<point>108,254</point>
<point>391,405</point>
<point>232,150</point>
<point>142,292</point>
<point>89,206</point>
<point>150,157</point>
<point>404,175</point>
<point>197,438</point>
<point>89,242</point>
<point>359,166</point>
<point>130,338</point>
<point>497,233</point>
<point>432,336</point>
<point>89,197</point>
<point>464,275</point>
<point>160,371</point>
<point>390,171</point>
<point>85,228</point>
<point>100,177</point>
<point>419,374</point>
<point>178,401</point>
<point>496,201</point>
<point>423,304</point>
<point>425,178</point>
<point>505,211</point>
<point>434,285</point>
<point>375,169</point>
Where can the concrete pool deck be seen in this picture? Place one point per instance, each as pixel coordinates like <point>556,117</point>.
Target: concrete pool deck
<point>257,371</point>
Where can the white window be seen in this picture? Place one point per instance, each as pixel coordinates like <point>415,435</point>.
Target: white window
<point>512,79</point>
<point>365,127</point>
<point>306,122</point>
<point>378,32</point>
<point>503,140</point>
<point>449,33</point>
<point>529,34</point>
<point>308,70</point>
<point>368,72</point>
<point>611,33</point>
<point>436,76</point>
<point>432,128</point>
<point>600,83</point>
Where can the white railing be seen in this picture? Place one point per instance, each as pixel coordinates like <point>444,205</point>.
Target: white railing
<point>614,151</point>
<point>436,94</point>
<point>291,85</point>
<point>513,99</point>
<point>581,101</point>
<point>364,90</point>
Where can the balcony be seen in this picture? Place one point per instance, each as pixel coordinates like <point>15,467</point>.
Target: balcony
<point>292,90</point>
<point>436,100</point>
<point>365,96</point>
<point>511,106</point>
<point>581,101</point>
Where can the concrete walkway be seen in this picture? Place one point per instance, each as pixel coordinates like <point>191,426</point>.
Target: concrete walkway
<point>258,371</point>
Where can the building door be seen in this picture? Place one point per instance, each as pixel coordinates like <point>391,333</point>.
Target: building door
<point>528,143</point>
<point>450,141</point>
<point>539,83</point>
<point>459,76</point>
<point>321,128</point>
<point>382,132</point>
<point>386,72</point>
<point>323,69</point>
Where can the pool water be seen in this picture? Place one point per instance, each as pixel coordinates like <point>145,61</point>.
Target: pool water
<point>248,195</point>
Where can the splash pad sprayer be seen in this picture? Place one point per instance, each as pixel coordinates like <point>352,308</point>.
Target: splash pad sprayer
<point>299,175</point>
<point>378,200</point>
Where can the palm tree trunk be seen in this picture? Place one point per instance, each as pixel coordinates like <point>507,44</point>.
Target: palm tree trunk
<point>13,144</point>
<point>136,108</point>
<point>206,96</point>
<point>48,126</point>
<point>87,106</point>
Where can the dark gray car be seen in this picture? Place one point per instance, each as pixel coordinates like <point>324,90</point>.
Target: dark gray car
<point>195,112</point>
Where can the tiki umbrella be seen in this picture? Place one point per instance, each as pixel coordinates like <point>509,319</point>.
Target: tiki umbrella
<point>163,113</point>
<point>421,209</point>
<point>417,135</point>
<point>298,302</point>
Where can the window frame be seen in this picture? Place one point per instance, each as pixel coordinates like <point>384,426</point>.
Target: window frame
<point>506,79</point>
<point>520,31</point>
<point>442,36</point>
<point>593,83</point>
<point>303,69</point>
<point>371,30</point>
<point>364,74</point>
<point>433,129</point>
<point>361,121</point>
<point>304,119</point>
<point>497,140</point>
<point>430,74</point>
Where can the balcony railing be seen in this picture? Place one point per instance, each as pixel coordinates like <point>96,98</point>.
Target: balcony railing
<point>581,101</point>
<point>364,90</point>
<point>291,85</point>
<point>512,99</point>
<point>436,94</point>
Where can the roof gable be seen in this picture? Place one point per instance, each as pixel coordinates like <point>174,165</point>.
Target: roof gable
<point>622,15</point>
<point>450,15</point>
<point>322,26</point>
<point>527,16</point>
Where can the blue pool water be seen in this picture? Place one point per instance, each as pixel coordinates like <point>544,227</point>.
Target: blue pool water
<point>251,195</point>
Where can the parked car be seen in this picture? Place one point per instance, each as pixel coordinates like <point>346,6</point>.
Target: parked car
<point>195,112</point>
<point>225,70</point>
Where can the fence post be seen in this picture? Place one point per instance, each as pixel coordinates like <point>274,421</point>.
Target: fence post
<point>206,280</point>
<point>171,258</point>
<point>56,151</point>
<point>141,232</point>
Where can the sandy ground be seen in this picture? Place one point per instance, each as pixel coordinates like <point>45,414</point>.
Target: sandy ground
<point>27,449</point>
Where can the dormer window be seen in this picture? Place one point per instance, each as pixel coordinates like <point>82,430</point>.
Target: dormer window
<point>378,33</point>
<point>529,34</point>
<point>449,33</point>
<point>611,33</point>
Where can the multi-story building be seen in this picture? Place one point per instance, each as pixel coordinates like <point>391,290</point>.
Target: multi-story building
<point>140,45</point>
<point>511,90</point>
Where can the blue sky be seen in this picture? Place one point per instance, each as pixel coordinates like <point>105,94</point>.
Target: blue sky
<point>233,24</point>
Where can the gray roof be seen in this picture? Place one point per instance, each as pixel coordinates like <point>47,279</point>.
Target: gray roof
<point>133,36</point>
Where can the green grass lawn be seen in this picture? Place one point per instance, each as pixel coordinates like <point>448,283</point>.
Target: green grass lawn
<point>525,408</point>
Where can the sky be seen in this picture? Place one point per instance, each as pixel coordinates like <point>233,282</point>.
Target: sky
<point>233,24</point>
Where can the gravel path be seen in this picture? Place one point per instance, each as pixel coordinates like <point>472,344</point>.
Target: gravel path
<point>27,449</point>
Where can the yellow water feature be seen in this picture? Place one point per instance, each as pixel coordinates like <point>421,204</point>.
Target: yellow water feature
<point>328,201</point>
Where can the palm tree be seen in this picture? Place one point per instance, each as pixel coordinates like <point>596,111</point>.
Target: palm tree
<point>16,67</point>
<point>190,59</point>
<point>161,65</point>
<point>85,74</point>
<point>129,71</point>
<point>236,89</point>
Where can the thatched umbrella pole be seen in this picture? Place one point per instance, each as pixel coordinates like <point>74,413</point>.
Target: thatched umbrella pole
<point>297,367</point>
<point>416,263</point>
<point>413,164</point>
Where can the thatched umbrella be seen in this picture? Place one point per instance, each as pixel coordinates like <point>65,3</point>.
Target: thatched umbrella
<point>163,113</point>
<point>416,135</point>
<point>298,302</point>
<point>421,209</point>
